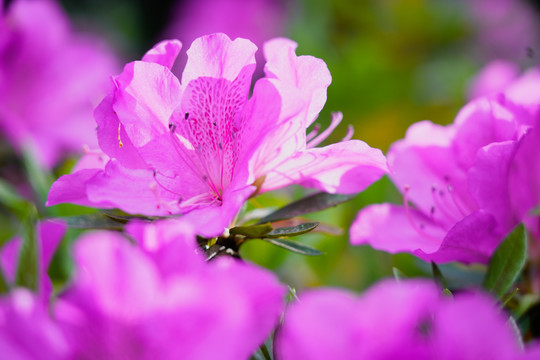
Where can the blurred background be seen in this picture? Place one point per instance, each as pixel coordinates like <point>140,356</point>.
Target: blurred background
<point>393,63</point>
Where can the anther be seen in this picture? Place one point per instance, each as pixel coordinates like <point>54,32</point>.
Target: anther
<point>186,116</point>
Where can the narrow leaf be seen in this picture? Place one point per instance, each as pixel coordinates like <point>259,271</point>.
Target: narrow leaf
<point>438,276</point>
<point>398,274</point>
<point>39,178</point>
<point>93,221</point>
<point>309,204</point>
<point>252,232</point>
<point>27,268</point>
<point>10,198</point>
<point>292,230</point>
<point>507,262</point>
<point>294,246</point>
<point>4,287</point>
<point>535,211</point>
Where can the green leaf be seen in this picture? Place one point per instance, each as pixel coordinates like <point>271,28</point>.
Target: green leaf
<point>448,293</point>
<point>438,276</point>
<point>290,231</point>
<point>27,268</point>
<point>294,246</point>
<point>93,221</point>
<point>535,211</point>
<point>252,232</point>
<point>507,262</point>
<point>309,204</point>
<point>10,198</point>
<point>4,287</point>
<point>39,178</point>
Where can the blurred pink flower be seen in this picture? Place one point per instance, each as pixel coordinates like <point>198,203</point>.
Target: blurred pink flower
<point>49,78</point>
<point>159,299</point>
<point>27,331</point>
<point>405,320</point>
<point>454,175</point>
<point>197,145</point>
<point>505,29</point>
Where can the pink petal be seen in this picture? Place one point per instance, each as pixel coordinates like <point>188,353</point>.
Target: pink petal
<point>493,78</point>
<point>524,179</point>
<point>164,53</point>
<point>424,163</point>
<point>488,182</point>
<point>217,56</point>
<point>212,220</point>
<point>345,167</point>
<point>146,96</point>
<point>306,74</point>
<point>479,123</point>
<point>113,138</point>
<point>72,188</point>
<point>471,240</point>
<point>393,229</point>
<point>133,191</point>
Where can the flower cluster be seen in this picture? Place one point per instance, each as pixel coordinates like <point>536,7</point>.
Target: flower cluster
<point>172,167</point>
<point>471,182</point>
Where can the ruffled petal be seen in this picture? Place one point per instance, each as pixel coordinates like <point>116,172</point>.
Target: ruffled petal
<point>488,182</point>
<point>471,240</point>
<point>394,229</point>
<point>217,56</point>
<point>164,53</point>
<point>133,191</point>
<point>305,74</point>
<point>146,96</point>
<point>425,164</point>
<point>346,167</point>
<point>72,188</point>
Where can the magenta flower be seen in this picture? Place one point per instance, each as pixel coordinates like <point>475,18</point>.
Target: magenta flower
<point>444,171</point>
<point>49,78</point>
<point>407,320</point>
<point>161,300</point>
<point>197,145</point>
<point>27,331</point>
<point>49,235</point>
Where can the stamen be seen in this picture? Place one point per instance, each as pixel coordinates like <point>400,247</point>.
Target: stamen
<point>455,201</point>
<point>419,229</point>
<point>119,139</point>
<point>186,116</point>
<point>350,133</point>
<point>313,132</point>
<point>437,196</point>
<point>336,119</point>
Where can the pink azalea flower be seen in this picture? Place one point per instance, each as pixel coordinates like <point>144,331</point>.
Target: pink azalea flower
<point>49,78</point>
<point>451,174</point>
<point>406,320</point>
<point>49,235</point>
<point>161,300</point>
<point>198,144</point>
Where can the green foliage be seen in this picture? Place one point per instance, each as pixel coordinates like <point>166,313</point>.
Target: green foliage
<point>309,204</point>
<point>27,268</point>
<point>507,262</point>
<point>294,246</point>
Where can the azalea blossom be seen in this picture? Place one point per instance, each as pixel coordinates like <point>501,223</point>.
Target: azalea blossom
<point>160,299</point>
<point>202,145</point>
<point>451,176</point>
<point>407,320</point>
<point>50,78</point>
